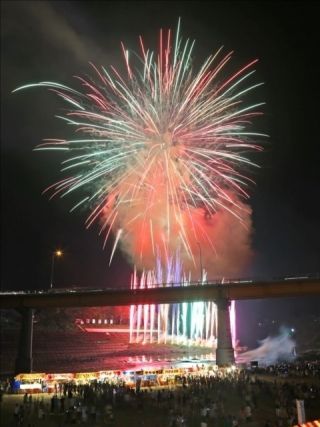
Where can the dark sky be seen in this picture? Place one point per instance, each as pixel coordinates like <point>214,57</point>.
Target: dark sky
<point>53,41</point>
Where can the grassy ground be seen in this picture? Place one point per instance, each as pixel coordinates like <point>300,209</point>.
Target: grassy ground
<point>151,415</point>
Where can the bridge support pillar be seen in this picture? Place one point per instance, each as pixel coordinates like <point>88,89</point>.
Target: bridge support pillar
<point>24,358</point>
<point>225,351</point>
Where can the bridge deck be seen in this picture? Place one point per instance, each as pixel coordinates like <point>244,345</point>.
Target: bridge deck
<point>162,295</point>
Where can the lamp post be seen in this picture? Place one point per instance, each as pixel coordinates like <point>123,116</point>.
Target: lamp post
<point>200,253</point>
<point>55,254</point>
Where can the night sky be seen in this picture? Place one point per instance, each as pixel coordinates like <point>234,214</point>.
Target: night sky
<point>54,41</point>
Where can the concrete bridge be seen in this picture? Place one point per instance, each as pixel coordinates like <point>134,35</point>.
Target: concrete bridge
<point>164,294</point>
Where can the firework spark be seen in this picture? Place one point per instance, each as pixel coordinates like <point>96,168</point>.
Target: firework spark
<point>162,146</point>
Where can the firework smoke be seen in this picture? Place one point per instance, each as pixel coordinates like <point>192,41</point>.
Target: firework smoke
<point>225,243</point>
<point>272,350</point>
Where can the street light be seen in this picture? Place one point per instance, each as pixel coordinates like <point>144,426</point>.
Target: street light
<point>55,254</point>
<point>200,253</point>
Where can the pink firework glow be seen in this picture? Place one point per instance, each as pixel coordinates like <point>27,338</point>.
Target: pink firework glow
<point>161,153</point>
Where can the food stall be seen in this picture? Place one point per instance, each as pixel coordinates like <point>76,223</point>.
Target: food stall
<point>129,378</point>
<point>86,377</point>
<point>150,378</point>
<point>111,377</point>
<point>53,381</point>
<point>31,383</point>
<point>169,376</point>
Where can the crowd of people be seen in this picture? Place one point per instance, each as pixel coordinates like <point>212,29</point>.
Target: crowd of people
<point>298,369</point>
<point>226,398</point>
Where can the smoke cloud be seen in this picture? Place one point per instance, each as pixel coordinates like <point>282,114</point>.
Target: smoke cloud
<point>272,350</point>
<point>54,28</point>
<point>220,244</point>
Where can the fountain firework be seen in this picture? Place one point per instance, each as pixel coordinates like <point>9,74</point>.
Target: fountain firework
<point>184,323</point>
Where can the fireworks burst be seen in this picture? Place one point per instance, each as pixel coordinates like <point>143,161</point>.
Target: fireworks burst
<point>162,146</point>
